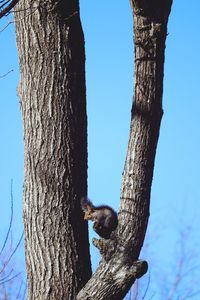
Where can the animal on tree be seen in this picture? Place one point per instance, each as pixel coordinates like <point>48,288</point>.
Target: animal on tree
<point>104,217</point>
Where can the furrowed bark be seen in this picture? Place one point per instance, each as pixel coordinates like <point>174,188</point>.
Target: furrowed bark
<point>52,94</point>
<point>120,266</point>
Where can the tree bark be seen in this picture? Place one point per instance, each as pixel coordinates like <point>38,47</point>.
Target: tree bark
<point>52,94</point>
<point>119,266</point>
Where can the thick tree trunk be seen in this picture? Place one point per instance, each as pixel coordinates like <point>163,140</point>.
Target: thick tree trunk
<point>119,267</point>
<point>52,95</point>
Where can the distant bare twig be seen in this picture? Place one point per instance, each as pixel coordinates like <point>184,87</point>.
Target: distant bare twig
<point>6,278</point>
<point>7,272</point>
<point>4,75</point>
<point>3,279</point>
<point>10,279</point>
<point>147,286</point>
<point>11,219</point>
<point>24,294</point>
<point>12,253</point>
<point>182,268</point>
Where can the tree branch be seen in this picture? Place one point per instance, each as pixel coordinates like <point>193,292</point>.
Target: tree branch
<point>120,266</point>
<point>8,8</point>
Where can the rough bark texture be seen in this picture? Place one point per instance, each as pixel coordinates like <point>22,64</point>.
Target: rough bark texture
<point>52,95</point>
<point>119,267</point>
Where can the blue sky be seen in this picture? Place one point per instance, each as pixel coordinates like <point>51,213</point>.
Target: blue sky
<point>109,72</point>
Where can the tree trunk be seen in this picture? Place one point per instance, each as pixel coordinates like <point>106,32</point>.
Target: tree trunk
<point>119,267</point>
<point>52,94</point>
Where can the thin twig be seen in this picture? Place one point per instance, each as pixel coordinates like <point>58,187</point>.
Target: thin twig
<point>20,19</point>
<point>152,296</point>
<point>19,292</point>
<point>5,277</point>
<point>2,76</point>
<point>137,289</point>
<point>147,286</point>
<point>24,294</point>
<point>4,28</point>
<point>13,252</point>
<point>11,219</point>
<point>3,282</point>
<point>193,294</point>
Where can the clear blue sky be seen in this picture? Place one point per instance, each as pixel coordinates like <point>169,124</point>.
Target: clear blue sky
<point>109,66</point>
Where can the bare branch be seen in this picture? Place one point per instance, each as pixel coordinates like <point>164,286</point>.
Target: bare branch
<point>10,279</point>
<point>9,22</point>
<point>137,290</point>
<point>19,291</point>
<point>2,280</point>
<point>8,8</point>
<point>24,294</point>
<point>11,216</point>
<point>13,252</point>
<point>152,296</point>
<point>19,19</point>
<point>191,295</point>
<point>147,286</point>
<point>4,3</point>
